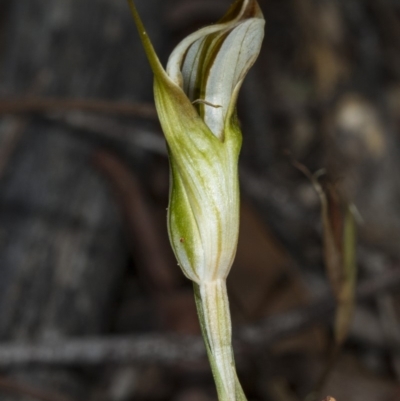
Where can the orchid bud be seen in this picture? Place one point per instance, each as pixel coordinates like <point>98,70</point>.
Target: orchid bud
<point>196,103</point>
<point>195,100</point>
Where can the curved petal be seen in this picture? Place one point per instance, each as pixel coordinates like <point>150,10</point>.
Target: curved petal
<point>210,63</point>
<point>236,55</point>
<point>240,9</point>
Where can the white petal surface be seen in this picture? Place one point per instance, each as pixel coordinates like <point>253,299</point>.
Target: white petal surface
<point>235,57</point>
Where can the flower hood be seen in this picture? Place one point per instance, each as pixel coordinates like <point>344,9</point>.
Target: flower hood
<point>195,99</point>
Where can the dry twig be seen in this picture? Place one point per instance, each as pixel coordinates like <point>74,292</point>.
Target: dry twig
<point>45,105</point>
<point>109,128</point>
<point>170,349</point>
<point>138,218</point>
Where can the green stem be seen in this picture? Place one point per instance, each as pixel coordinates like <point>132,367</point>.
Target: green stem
<point>215,320</point>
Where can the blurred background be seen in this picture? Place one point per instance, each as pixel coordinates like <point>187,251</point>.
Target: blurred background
<point>92,304</point>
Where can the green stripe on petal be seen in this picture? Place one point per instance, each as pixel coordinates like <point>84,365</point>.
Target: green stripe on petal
<point>211,64</point>
<point>205,172</point>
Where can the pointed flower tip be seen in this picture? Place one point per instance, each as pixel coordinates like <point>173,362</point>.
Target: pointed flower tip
<point>242,9</point>
<point>241,12</point>
<point>155,64</point>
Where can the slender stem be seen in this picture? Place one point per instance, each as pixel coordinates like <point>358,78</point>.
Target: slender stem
<point>215,320</point>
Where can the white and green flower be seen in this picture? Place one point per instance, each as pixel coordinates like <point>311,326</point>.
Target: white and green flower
<point>196,98</point>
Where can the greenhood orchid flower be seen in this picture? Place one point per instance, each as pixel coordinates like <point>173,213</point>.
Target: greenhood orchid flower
<point>196,98</point>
